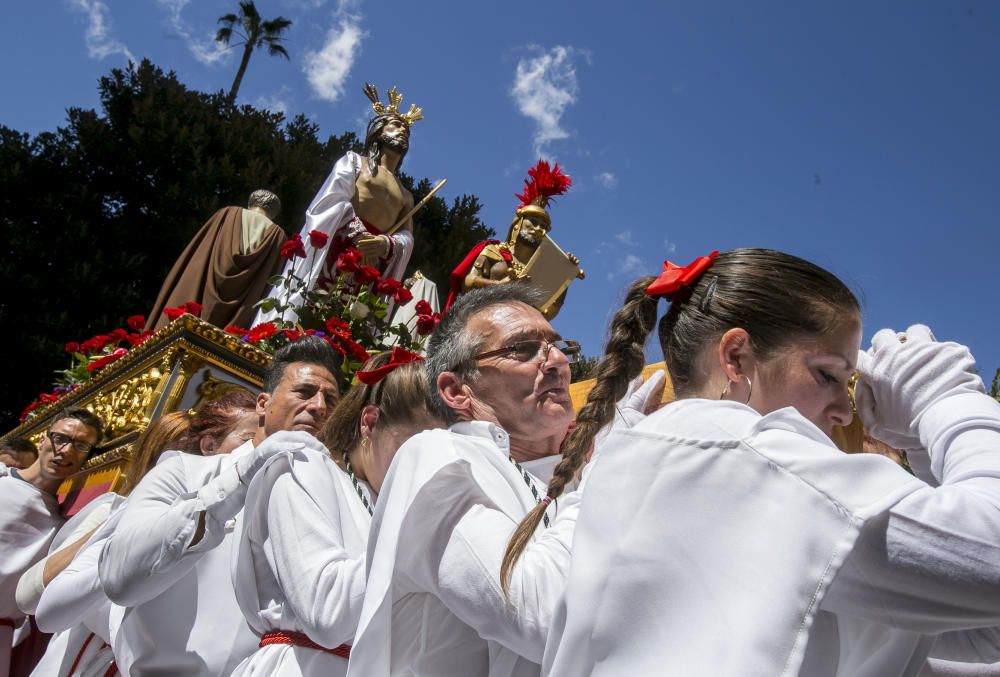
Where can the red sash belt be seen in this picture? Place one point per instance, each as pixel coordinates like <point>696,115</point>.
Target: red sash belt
<point>112,669</point>
<point>301,639</point>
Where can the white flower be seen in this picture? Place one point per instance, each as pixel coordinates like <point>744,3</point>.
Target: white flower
<point>359,310</point>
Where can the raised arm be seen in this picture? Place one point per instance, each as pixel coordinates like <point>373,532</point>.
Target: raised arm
<point>932,563</point>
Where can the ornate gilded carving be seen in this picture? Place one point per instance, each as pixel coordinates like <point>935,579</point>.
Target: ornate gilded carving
<point>128,405</point>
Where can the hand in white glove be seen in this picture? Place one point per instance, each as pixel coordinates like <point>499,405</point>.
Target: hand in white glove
<point>640,400</point>
<point>223,496</point>
<point>903,375</point>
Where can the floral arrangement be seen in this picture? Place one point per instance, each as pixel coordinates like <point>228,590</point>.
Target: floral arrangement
<point>349,311</point>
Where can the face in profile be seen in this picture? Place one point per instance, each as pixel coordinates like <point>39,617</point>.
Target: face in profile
<point>303,399</point>
<point>243,429</point>
<point>16,459</point>
<point>812,376</point>
<point>528,395</point>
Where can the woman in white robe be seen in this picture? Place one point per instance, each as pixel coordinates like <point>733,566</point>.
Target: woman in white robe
<point>299,569</point>
<point>73,604</point>
<point>726,535</point>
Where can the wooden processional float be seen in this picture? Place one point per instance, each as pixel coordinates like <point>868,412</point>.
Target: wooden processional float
<point>182,364</point>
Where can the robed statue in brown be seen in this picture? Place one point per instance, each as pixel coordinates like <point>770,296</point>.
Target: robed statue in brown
<point>226,265</point>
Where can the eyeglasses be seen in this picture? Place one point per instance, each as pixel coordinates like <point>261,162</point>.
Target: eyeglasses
<point>526,351</point>
<point>60,440</point>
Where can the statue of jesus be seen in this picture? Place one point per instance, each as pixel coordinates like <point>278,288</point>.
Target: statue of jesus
<point>361,204</point>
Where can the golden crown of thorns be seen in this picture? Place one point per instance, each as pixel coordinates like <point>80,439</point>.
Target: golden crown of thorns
<point>395,98</point>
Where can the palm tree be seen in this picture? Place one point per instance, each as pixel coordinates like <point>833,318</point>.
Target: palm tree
<point>255,33</point>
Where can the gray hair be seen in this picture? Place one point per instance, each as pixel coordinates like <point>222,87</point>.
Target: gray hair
<point>451,347</point>
<point>266,200</point>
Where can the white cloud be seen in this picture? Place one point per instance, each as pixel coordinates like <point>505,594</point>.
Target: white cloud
<point>669,246</point>
<point>545,85</point>
<point>629,266</point>
<point>327,68</point>
<point>608,180</point>
<point>100,42</point>
<point>625,237</point>
<point>203,47</point>
<point>276,102</point>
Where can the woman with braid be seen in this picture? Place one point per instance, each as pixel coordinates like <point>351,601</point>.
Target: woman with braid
<point>299,572</point>
<point>725,534</point>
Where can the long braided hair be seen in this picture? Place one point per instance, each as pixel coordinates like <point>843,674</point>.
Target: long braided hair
<point>623,360</point>
<point>778,298</point>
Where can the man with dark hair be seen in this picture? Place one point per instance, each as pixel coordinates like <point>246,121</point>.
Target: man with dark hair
<point>361,204</point>
<point>168,560</point>
<point>29,513</point>
<point>17,452</point>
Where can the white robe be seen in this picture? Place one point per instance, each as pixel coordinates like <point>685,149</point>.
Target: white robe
<point>29,519</point>
<point>82,640</point>
<point>175,611</point>
<point>714,541</point>
<point>330,211</point>
<point>450,502</point>
<point>300,562</point>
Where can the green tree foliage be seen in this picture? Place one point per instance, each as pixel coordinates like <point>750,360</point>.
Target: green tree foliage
<point>94,214</point>
<point>254,33</point>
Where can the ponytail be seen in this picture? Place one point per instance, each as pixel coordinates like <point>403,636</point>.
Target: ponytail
<point>624,358</point>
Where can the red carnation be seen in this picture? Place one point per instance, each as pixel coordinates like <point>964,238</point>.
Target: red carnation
<point>349,260</point>
<point>136,321</point>
<point>91,345</point>
<point>366,275</point>
<point>318,239</point>
<point>355,350</point>
<point>107,359</point>
<point>262,331</point>
<point>139,339</point>
<point>48,398</point>
<point>423,308</point>
<point>173,313</point>
<point>336,346</point>
<point>427,323</point>
<point>193,307</point>
<point>403,295</point>
<point>292,334</point>
<point>236,331</point>
<point>388,287</point>
<point>72,347</point>
<point>293,247</point>
<point>117,336</point>
<point>337,327</point>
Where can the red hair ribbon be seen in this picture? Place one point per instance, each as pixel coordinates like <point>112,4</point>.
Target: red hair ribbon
<point>674,277</point>
<point>399,357</point>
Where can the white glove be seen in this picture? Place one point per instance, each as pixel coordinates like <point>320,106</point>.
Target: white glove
<point>224,495</point>
<point>903,375</point>
<point>640,400</point>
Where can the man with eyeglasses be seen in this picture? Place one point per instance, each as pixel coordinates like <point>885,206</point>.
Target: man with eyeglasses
<point>167,563</point>
<point>29,513</point>
<point>500,376</point>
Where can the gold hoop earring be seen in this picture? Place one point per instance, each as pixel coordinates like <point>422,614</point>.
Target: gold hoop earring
<point>725,391</point>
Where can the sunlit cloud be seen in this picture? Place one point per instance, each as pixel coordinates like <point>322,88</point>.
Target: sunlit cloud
<point>98,37</point>
<point>203,46</point>
<point>545,85</point>
<point>328,67</point>
<point>607,180</point>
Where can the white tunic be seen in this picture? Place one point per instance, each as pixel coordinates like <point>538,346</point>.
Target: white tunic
<point>715,541</point>
<point>29,519</point>
<point>178,613</point>
<point>330,211</point>
<point>81,640</point>
<point>300,562</point>
<point>434,606</point>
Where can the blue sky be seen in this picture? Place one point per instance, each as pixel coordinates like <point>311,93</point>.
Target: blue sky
<point>862,136</point>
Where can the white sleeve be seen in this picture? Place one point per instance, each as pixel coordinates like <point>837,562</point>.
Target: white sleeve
<point>32,583</point>
<point>72,593</point>
<point>149,550</point>
<point>469,577</point>
<point>931,564</point>
<point>323,585</point>
<point>980,646</point>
